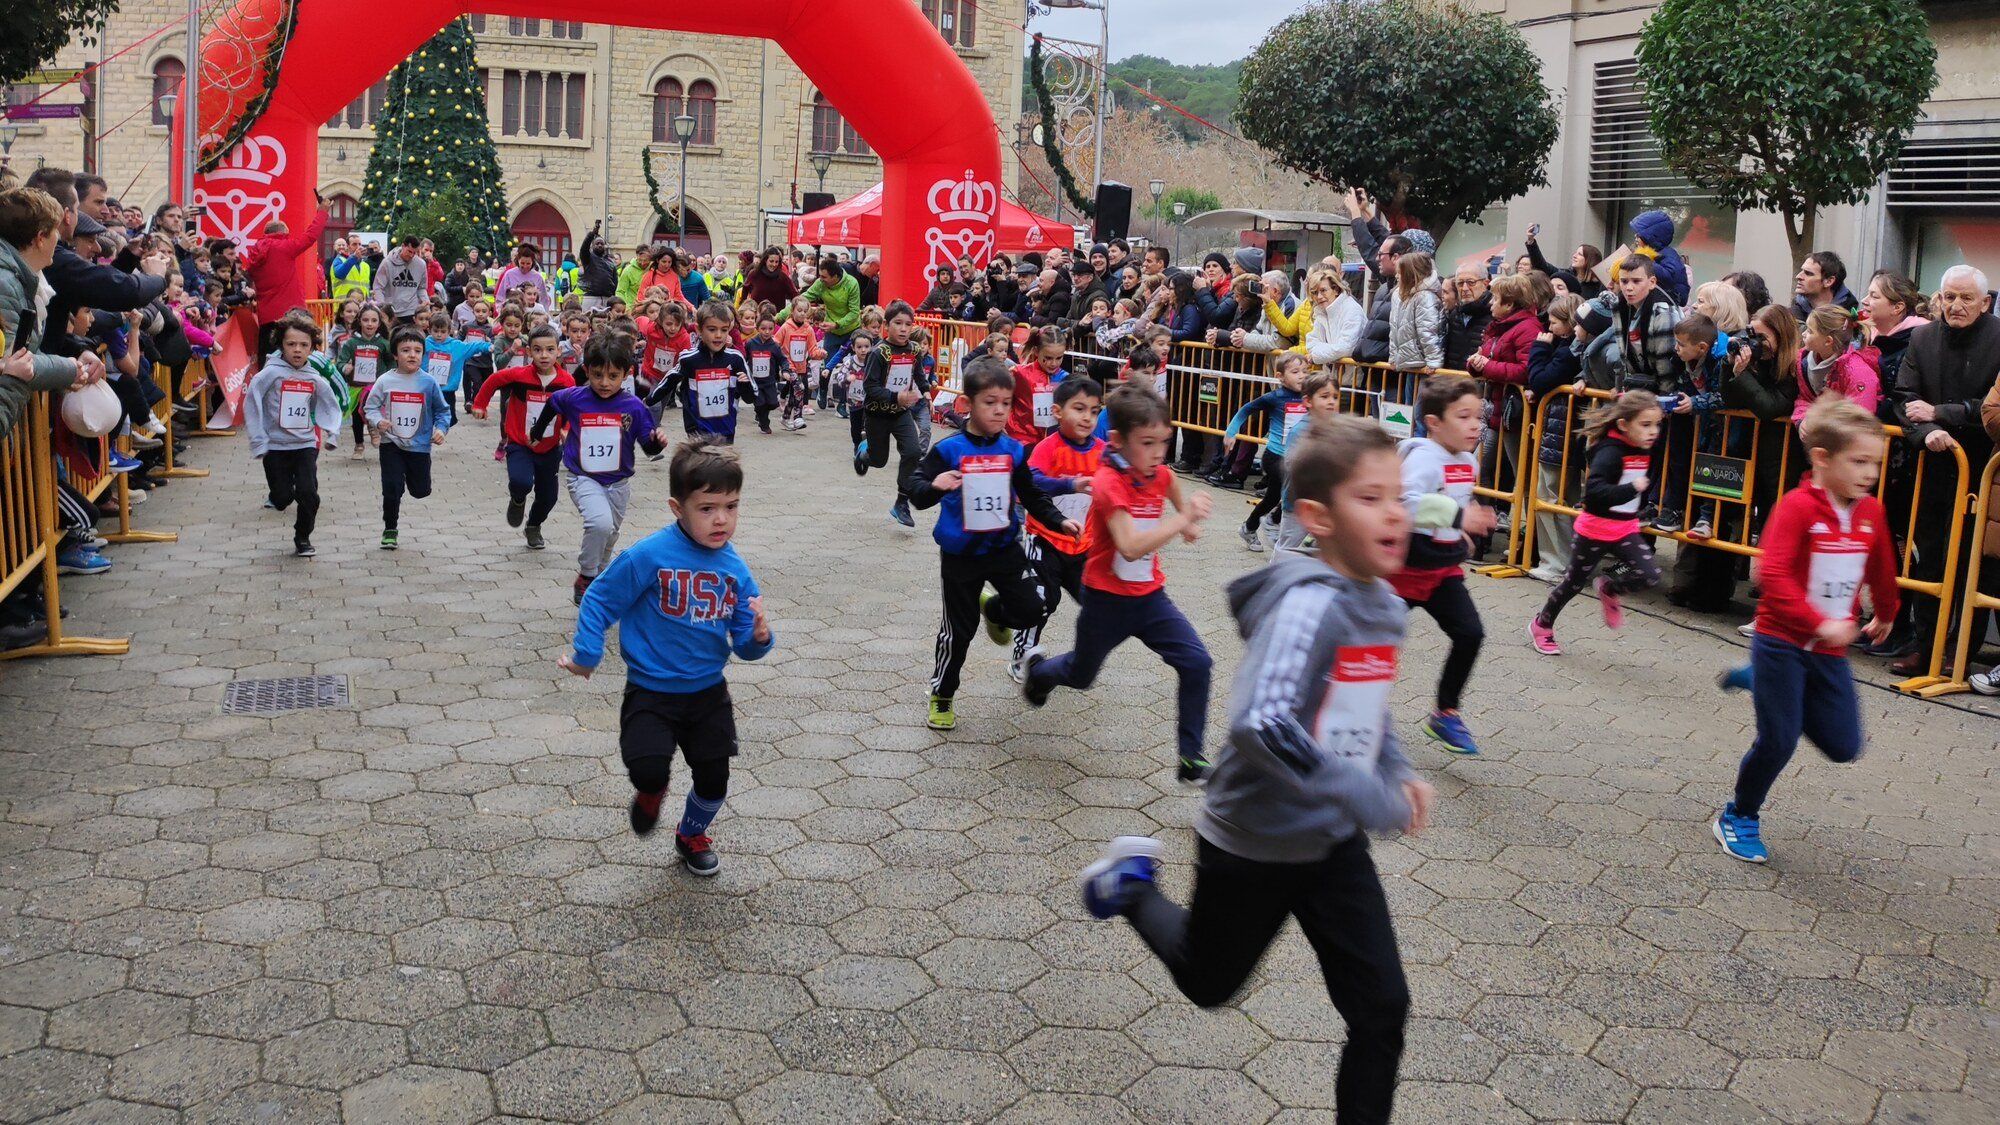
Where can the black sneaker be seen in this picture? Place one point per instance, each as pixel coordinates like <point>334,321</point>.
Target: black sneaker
<point>643,822</point>
<point>1034,695</point>
<point>1668,522</point>
<point>578,590</point>
<point>516,510</point>
<point>303,548</point>
<point>534,534</point>
<point>698,852</point>
<point>1194,771</point>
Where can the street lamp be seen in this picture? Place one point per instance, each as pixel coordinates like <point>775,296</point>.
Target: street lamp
<point>1180,217</point>
<point>1158,187</point>
<point>684,132</point>
<point>8,132</point>
<point>167,102</point>
<point>821,161</point>
<point>1103,9</point>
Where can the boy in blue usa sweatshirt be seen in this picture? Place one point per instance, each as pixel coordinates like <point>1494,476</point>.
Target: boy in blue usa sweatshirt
<point>973,479</point>
<point>683,600</point>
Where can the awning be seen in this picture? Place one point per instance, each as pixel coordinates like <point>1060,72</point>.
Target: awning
<point>858,222</point>
<point>1253,218</point>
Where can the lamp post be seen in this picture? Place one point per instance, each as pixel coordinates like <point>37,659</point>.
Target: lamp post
<point>8,132</point>
<point>191,109</point>
<point>1159,188</point>
<point>167,102</point>
<point>821,161</point>
<point>683,132</point>
<point>1180,216</point>
<point>1103,8</point>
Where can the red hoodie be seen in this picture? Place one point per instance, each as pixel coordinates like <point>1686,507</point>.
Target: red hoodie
<point>519,387</point>
<point>1506,344</point>
<point>1029,381</point>
<point>1815,564</point>
<point>272,265</point>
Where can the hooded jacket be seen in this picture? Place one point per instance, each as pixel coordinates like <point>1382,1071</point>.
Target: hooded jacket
<point>1464,328</point>
<point>1656,230</point>
<point>1312,757</point>
<point>20,296</point>
<point>1368,236</point>
<point>1416,328</point>
<point>1851,374</point>
<point>598,278</point>
<point>272,265</point>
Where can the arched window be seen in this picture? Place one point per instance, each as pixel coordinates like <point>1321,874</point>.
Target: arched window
<point>340,211</point>
<point>701,103</point>
<point>695,239</point>
<point>666,106</point>
<point>541,224</point>
<point>832,133</point>
<point>167,76</point>
<point>668,103</point>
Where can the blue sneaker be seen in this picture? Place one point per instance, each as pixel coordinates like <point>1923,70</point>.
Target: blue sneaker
<point>1451,730</point>
<point>861,458</point>
<point>117,462</point>
<point>77,560</point>
<point>1735,679</point>
<point>900,512</point>
<point>1110,883</point>
<point>1740,836</point>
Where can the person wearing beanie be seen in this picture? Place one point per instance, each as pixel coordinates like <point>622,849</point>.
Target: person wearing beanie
<point>1249,259</point>
<point>1421,241</point>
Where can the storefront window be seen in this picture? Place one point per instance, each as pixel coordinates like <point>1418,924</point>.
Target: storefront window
<point>1704,233</point>
<point>1939,242</point>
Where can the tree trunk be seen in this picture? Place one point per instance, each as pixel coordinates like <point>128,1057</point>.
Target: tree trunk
<point>1802,234</point>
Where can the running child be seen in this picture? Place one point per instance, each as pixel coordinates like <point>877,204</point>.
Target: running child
<point>1321,389</point>
<point>683,601</point>
<point>1310,767</point>
<point>1124,593</point>
<point>801,344</point>
<point>850,368</point>
<point>602,422</point>
<point>363,356</point>
<point>663,337</point>
<point>892,386</point>
<point>1064,465</point>
<point>974,477</point>
<point>765,357</point>
<point>444,357</point>
<point>285,407</point>
<point>408,407</point>
<point>1143,367</point>
<point>712,376</point>
<point>1621,434</point>
<point>1824,542</point>
<point>1283,408</point>
<point>1444,462</point>
<point>1034,413</point>
<point>524,393</point>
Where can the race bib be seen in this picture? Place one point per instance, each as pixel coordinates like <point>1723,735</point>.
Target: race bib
<point>438,366</point>
<point>599,437</point>
<point>1145,512</point>
<point>798,348</point>
<point>1350,719</point>
<point>1834,575</point>
<point>295,406</point>
<point>987,489</point>
<point>406,413</point>
<point>367,361</point>
<point>1045,409</point>
<point>760,365</point>
<point>900,376</point>
<point>661,360</point>
<point>1458,481</point>
<point>534,403</point>
<point>711,391</point>
<point>1295,416</point>
<point>1074,505</point>
<point>1635,467</point>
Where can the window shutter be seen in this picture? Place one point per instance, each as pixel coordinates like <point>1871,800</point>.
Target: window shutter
<point>1625,163</point>
<point>1949,172</point>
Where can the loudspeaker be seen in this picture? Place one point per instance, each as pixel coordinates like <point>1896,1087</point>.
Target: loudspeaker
<point>816,201</point>
<point>1114,212</point>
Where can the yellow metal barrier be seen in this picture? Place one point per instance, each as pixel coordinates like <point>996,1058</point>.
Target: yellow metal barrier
<point>323,311</point>
<point>29,532</point>
<point>1975,600</point>
<point>1769,442</point>
<point>164,411</point>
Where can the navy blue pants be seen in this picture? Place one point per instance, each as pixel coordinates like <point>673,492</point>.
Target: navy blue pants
<point>1105,620</point>
<point>1797,692</point>
<point>528,471</point>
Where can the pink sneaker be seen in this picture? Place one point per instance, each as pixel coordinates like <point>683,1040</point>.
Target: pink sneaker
<point>1543,637</point>
<point>1614,611</point>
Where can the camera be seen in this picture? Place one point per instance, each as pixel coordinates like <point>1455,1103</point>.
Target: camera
<point>1749,342</point>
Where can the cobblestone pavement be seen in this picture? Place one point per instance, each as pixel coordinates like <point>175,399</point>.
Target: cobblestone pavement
<point>427,907</point>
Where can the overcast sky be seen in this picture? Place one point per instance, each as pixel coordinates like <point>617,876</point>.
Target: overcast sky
<point>1182,31</point>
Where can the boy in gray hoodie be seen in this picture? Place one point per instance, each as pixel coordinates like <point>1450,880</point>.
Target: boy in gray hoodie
<point>285,408</point>
<point>1310,766</point>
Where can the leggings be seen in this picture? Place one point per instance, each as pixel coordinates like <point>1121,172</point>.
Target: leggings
<point>361,422</point>
<point>1274,490</point>
<point>1636,573</point>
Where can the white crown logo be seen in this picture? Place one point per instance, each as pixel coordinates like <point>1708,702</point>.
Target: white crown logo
<point>259,159</point>
<point>965,201</point>
<point>1035,234</point>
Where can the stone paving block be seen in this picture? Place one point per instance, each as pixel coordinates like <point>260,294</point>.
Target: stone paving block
<point>184,1071</point>
<point>419,1095</point>
<point>41,1083</point>
<point>333,1055</point>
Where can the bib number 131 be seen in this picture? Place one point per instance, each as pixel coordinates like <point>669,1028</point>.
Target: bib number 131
<point>987,490</point>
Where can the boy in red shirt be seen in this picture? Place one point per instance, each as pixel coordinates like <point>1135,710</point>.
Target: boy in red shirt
<point>1063,464</point>
<point>1824,541</point>
<point>1034,412</point>
<point>524,394</point>
<point>1124,594</point>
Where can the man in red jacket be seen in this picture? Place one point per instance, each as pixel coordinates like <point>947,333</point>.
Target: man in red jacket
<point>272,266</point>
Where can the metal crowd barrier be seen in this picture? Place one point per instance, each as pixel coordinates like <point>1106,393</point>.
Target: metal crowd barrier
<point>323,311</point>
<point>1740,489</point>
<point>30,534</point>
<point>1975,599</point>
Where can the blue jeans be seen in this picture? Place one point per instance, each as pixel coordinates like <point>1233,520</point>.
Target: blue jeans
<point>530,471</point>
<point>1105,620</point>
<point>1797,692</point>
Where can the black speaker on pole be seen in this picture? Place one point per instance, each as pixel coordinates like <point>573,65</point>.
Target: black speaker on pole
<point>817,201</point>
<point>1114,211</point>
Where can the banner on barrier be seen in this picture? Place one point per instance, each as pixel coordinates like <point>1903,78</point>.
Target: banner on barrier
<point>1397,418</point>
<point>1722,477</point>
<point>232,364</point>
<point>1209,390</point>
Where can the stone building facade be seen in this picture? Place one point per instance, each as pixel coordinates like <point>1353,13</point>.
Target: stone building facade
<point>572,108</point>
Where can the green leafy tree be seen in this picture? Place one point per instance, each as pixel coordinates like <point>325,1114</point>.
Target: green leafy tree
<point>38,29</point>
<point>433,142</point>
<point>1436,110</point>
<point>1785,105</point>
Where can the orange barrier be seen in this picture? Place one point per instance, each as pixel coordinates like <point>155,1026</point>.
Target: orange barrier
<point>1975,599</point>
<point>1741,498</point>
<point>164,411</point>
<point>30,535</point>
<point>323,311</point>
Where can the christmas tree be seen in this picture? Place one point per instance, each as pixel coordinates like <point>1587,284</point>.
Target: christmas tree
<point>432,142</point>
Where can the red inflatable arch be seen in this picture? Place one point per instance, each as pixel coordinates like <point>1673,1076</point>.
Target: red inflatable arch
<point>879,61</point>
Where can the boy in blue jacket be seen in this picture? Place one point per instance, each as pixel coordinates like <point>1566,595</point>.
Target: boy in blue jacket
<point>683,601</point>
<point>712,377</point>
<point>444,357</point>
<point>974,478</point>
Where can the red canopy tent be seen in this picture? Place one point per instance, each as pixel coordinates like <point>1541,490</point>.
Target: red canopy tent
<point>858,222</point>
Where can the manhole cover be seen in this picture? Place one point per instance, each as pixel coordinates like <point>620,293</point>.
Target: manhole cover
<point>286,693</point>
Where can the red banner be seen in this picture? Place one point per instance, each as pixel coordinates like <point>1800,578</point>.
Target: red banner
<point>233,361</point>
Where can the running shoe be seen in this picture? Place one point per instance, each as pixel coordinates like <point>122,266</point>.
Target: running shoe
<point>698,852</point>
<point>1608,603</point>
<point>997,633</point>
<point>1036,696</point>
<point>389,539</point>
<point>861,458</point>
<point>900,512</point>
<point>942,717</point>
<point>516,511</point>
<point>77,560</point>
<point>1250,539</point>
<point>1735,679</point>
<point>117,462</point>
<point>303,548</point>
<point>1447,727</point>
<point>1740,836</point>
<point>1128,863</point>
<point>534,536</point>
<point>580,587</point>
<point>1543,637</point>
<point>1193,771</point>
